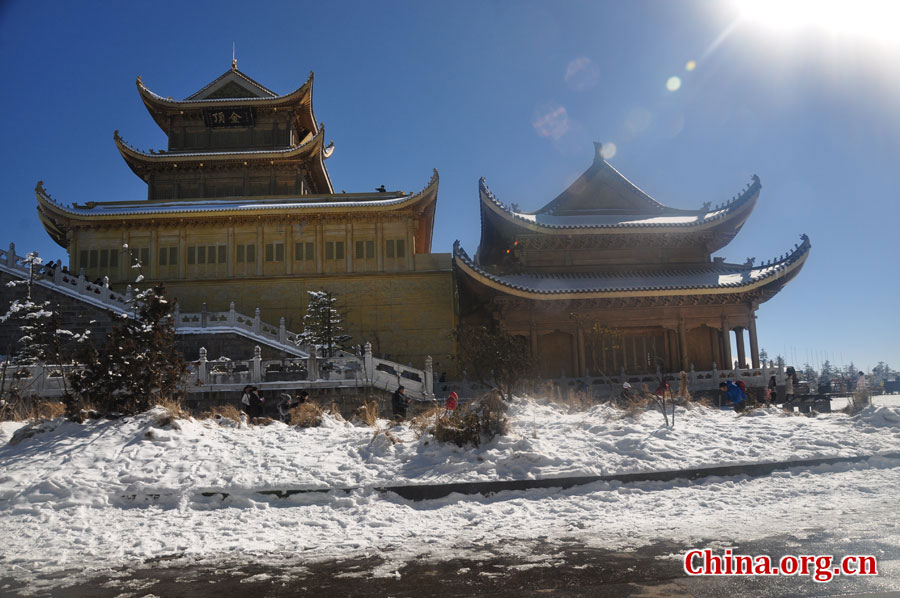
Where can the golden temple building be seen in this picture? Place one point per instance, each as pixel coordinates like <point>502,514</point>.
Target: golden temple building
<point>240,208</point>
<point>604,278</point>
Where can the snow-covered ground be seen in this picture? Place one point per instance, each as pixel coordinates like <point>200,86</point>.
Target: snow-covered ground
<point>67,491</point>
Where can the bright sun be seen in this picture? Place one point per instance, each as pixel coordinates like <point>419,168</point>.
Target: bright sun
<point>878,19</point>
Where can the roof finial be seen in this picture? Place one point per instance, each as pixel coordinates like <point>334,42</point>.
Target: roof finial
<point>598,150</point>
<point>233,59</point>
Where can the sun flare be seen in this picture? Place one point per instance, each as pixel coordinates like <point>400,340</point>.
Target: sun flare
<point>875,19</point>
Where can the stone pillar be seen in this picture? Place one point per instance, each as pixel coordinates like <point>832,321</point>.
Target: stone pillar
<point>368,362</point>
<point>282,331</point>
<point>754,343</point>
<point>257,327</point>
<point>741,351</point>
<point>202,374</point>
<point>256,365</point>
<point>428,391</point>
<point>203,316</point>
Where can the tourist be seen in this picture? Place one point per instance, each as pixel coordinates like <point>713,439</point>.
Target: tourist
<point>301,397</point>
<point>399,404</point>
<point>245,401</point>
<point>734,394</point>
<point>772,391</point>
<point>663,390</point>
<point>285,405</point>
<point>861,383</point>
<point>627,394</point>
<point>790,383</point>
<point>452,401</point>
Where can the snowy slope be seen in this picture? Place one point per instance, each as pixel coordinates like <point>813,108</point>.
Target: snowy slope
<point>67,490</point>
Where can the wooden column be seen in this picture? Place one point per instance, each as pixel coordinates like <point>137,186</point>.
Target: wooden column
<point>182,251</point>
<point>682,341</point>
<point>379,246</point>
<point>260,249</point>
<point>320,248</point>
<point>741,351</point>
<point>754,342</point>
<point>726,345</point>
<point>581,358</point>
<point>152,267</point>
<point>348,242</point>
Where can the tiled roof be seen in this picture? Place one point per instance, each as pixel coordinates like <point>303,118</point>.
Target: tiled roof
<point>667,217</point>
<point>712,276</point>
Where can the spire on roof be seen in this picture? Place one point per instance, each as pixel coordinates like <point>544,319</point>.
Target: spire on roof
<point>233,59</point>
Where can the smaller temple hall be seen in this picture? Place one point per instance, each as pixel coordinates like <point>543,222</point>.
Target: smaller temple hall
<point>604,278</point>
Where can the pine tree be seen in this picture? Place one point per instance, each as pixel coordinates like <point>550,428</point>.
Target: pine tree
<point>138,363</point>
<point>322,324</point>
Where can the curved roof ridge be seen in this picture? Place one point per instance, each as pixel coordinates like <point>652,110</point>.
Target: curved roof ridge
<point>234,71</point>
<point>738,276</point>
<point>680,220</point>
<point>164,156</point>
<point>300,91</point>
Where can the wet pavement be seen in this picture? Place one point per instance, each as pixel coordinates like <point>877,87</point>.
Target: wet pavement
<point>561,569</point>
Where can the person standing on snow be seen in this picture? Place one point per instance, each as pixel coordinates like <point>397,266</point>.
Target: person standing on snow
<point>399,404</point>
<point>734,394</point>
<point>452,401</point>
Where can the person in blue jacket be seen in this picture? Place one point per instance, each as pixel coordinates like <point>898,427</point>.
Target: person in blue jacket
<point>734,394</point>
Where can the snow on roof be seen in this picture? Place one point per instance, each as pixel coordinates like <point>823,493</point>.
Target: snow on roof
<point>708,276</point>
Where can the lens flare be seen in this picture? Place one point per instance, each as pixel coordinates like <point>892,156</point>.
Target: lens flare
<point>691,65</point>
<point>608,150</point>
<point>673,83</point>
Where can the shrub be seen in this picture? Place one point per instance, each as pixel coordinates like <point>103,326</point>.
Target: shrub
<point>223,411</point>
<point>20,409</point>
<point>858,401</point>
<point>470,424</point>
<point>307,415</point>
<point>367,413</point>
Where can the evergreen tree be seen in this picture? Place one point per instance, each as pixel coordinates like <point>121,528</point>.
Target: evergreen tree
<point>827,373</point>
<point>322,324</point>
<point>810,373</point>
<point>763,357</point>
<point>137,364</point>
<point>779,361</point>
<point>495,357</point>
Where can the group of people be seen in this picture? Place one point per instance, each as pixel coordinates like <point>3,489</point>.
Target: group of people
<point>252,403</point>
<point>400,403</point>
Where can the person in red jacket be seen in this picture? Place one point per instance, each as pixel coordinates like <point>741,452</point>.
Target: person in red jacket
<point>452,401</point>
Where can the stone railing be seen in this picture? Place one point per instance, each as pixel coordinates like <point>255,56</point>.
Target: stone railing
<point>602,387</point>
<point>360,371</point>
<point>100,295</point>
<point>233,321</point>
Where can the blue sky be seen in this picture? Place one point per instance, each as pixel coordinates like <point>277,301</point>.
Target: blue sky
<point>515,92</point>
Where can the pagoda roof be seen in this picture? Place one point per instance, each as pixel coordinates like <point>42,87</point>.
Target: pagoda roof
<point>239,89</point>
<point>602,201</point>
<point>713,278</point>
<point>57,217</point>
<point>311,151</point>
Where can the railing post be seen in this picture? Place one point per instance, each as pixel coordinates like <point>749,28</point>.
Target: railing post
<point>693,374</point>
<point>80,285</point>
<point>428,391</point>
<point>282,331</point>
<point>176,313</point>
<point>256,365</point>
<point>202,374</point>
<point>368,361</point>
<point>57,275</point>
<point>256,322</point>
<point>128,295</point>
<point>231,317</point>
<point>104,291</point>
<point>11,256</point>
<point>203,316</point>
<point>622,379</point>
<point>312,364</point>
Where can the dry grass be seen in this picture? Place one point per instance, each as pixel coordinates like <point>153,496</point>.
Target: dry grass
<point>174,406</point>
<point>35,409</point>
<point>422,421</point>
<point>223,412</point>
<point>307,415</point>
<point>367,413</point>
<point>858,401</point>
